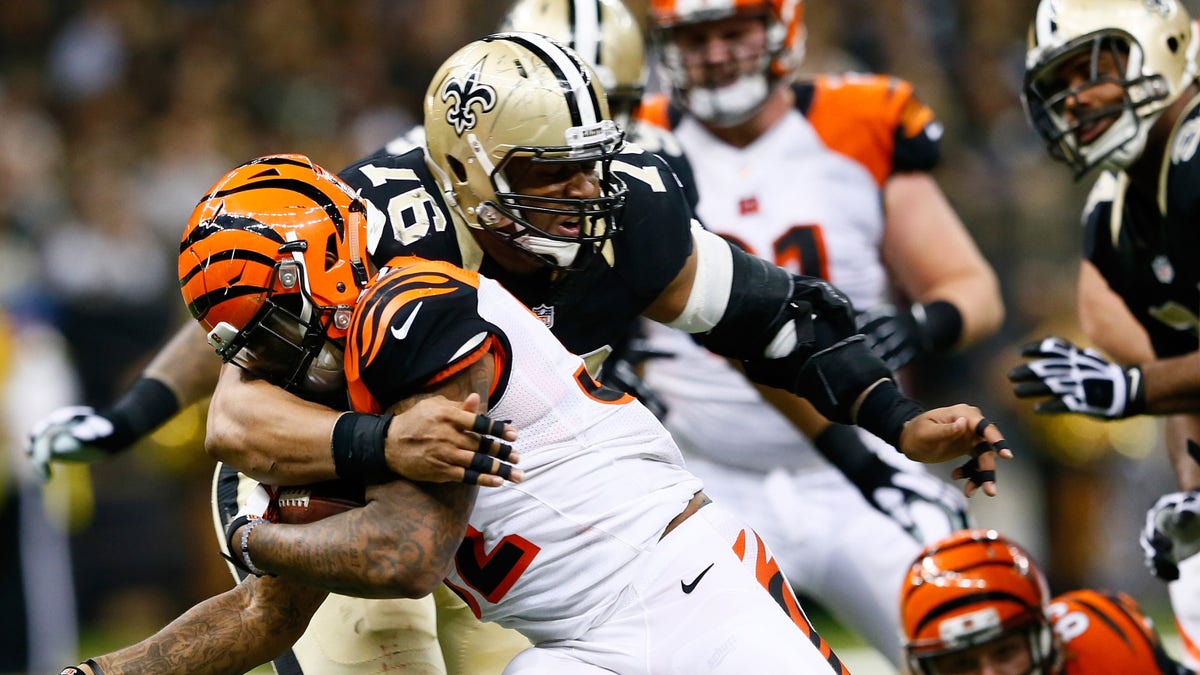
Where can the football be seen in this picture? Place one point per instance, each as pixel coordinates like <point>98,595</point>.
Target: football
<point>308,503</point>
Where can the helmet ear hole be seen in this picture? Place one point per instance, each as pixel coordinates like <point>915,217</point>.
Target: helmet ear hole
<point>331,257</point>
<point>460,171</point>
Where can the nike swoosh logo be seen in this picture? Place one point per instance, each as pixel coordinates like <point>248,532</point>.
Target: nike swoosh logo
<point>688,588</point>
<point>402,332</point>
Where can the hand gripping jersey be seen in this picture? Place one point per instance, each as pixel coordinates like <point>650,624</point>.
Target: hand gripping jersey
<point>587,310</point>
<point>807,196</point>
<point>547,556</point>
<point>1107,634</point>
<point>1148,250</point>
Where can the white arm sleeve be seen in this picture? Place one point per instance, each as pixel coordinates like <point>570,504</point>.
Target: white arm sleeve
<point>710,289</point>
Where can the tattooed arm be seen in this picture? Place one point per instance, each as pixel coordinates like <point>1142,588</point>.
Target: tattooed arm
<point>227,634</point>
<point>399,545</point>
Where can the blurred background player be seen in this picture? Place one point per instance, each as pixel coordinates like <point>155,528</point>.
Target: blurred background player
<point>1111,86</point>
<point>826,177</point>
<point>975,603</point>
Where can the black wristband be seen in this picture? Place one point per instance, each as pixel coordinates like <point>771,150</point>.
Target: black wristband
<point>358,445</point>
<point>943,325</point>
<point>1136,404</point>
<point>885,410</point>
<point>843,447</point>
<point>142,409</point>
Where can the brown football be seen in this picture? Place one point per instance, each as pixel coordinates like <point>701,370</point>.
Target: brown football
<point>308,503</point>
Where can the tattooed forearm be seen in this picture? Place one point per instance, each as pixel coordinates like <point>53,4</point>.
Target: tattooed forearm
<point>399,545</point>
<point>230,633</point>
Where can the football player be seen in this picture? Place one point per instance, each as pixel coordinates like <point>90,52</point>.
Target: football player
<point>583,557</point>
<point>1110,86</point>
<point>975,603</point>
<point>827,177</point>
<point>623,245</point>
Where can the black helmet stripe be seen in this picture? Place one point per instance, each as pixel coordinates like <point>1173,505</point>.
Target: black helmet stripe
<point>309,190</point>
<point>223,222</point>
<point>229,255</point>
<point>202,305</point>
<point>581,98</point>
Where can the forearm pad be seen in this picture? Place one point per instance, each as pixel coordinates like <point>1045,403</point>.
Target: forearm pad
<point>833,378</point>
<point>772,314</point>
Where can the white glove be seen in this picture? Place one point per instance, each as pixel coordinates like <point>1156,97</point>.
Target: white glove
<point>1171,533</point>
<point>927,507</point>
<point>70,434</point>
<point>1077,380</point>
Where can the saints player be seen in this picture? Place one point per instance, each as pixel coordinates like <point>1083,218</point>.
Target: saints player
<point>1110,86</point>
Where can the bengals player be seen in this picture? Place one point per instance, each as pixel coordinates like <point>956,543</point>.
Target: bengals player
<point>825,176</point>
<point>975,602</point>
<point>607,555</point>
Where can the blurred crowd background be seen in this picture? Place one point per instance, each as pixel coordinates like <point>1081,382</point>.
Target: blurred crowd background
<point>116,115</point>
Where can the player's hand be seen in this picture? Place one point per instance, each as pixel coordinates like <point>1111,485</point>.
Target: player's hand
<point>959,430</point>
<point>1171,533</point>
<point>443,441</point>
<point>1077,380</point>
<point>895,335</point>
<point>71,434</point>
<point>926,507</point>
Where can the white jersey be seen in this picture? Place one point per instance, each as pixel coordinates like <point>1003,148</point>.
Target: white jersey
<point>550,555</point>
<point>807,196</point>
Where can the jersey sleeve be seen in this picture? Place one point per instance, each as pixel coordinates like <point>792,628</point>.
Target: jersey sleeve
<point>1098,246</point>
<point>875,119</point>
<point>656,236</point>
<point>416,326</point>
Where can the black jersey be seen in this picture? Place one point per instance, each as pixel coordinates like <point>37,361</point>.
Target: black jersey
<point>1147,247</point>
<point>587,309</point>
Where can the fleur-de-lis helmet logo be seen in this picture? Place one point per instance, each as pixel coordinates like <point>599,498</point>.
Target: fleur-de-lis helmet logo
<point>463,94</point>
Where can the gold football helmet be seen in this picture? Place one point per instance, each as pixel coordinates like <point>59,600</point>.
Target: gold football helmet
<point>1153,44</point>
<point>603,32</point>
<point>732,104</point>
<point>509,102</point>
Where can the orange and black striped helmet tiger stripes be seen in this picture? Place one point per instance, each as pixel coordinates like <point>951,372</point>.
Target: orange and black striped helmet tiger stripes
<point>968,589</point>
<point>238,248</point>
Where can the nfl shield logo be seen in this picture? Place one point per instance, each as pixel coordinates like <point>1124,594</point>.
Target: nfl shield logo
<point>546,314</point>
<point>1162,269</point>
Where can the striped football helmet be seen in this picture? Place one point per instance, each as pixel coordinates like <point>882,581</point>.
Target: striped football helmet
<point>271,264</point>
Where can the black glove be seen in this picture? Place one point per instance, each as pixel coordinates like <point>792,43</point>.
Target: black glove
<point>1077,380</point>
<point>927,507</point>
<point>901,336</point>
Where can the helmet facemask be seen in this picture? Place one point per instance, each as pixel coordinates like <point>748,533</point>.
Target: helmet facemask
<point>287,342</point>
<point>761,67</point>
<point>588,150</point>
<point>1047,97</point>
<point>983,627</point>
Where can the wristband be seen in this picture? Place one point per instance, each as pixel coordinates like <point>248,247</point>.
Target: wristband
<point>358,446</point>
<point>74,670</point>
<point>142,409</point>
<point>885,411</point>
<point>1136,404</point>
<point>844,448</point>
<point>942,324</point>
